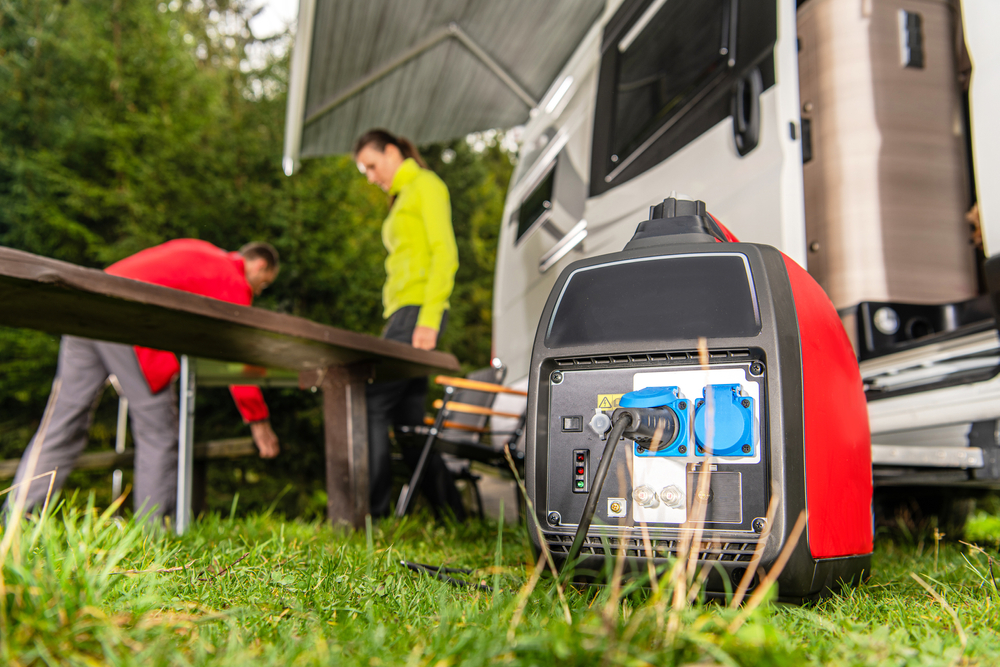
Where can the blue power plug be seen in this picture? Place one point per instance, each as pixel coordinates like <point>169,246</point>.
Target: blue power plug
<point>662,397</point>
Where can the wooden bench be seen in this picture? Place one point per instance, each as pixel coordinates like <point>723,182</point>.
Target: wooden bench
<point>261,346</point>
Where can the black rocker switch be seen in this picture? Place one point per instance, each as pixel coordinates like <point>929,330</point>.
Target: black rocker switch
<point>572,424</point>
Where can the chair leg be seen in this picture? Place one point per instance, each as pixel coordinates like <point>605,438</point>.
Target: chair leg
<point>418,474</point>
<point>418,470</point>
<point>479,497</point>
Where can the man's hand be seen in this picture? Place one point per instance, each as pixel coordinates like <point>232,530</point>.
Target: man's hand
<point>265,439</point>
<point>425,338</point>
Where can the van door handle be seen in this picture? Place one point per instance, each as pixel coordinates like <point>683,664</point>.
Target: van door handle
<point>746,111</point>
<point>572,239</point>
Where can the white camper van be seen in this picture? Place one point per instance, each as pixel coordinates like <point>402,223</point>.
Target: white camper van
<point>841,132</point>
<point>857,136</point>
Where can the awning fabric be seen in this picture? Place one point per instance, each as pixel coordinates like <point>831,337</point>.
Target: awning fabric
<point>430,70</point>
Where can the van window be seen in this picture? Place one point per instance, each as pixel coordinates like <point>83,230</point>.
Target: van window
<point>668,74</point>
<point>682,50</point>
<point>536,205</point>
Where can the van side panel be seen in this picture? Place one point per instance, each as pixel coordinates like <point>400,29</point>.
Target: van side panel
<point>885,184</point>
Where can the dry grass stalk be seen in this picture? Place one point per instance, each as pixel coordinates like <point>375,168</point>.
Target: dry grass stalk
<point>758,552</point>
<point>682,574</point>
<point>679,583</point>
<point>179,568</point>
<point>647,547</point>
<point>659,600</point>
<point>610,609</point>
<point>541,536</point>
<point>947,607</point>
<point>21,498</point>
<point>989,560</point>
<point>48,492</point>
<point>772,576</point>
<point>16,513</point>
<point>976,547</point>
<point>699,510</point>
<point>699,505</point>
<point>654,446</point>
<point>699,583</point>
<point>225,569</point>
<point>647,543</point>
<point>523,595</point>
<point>15,487</point>
<point>938,536</point>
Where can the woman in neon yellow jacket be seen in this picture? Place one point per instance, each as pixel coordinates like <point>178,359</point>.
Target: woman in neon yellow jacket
<point>420,274</point>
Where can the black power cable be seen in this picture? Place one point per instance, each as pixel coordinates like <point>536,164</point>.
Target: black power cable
<point>623,421</point>
<point>645,421</point>
<point>441,573</point>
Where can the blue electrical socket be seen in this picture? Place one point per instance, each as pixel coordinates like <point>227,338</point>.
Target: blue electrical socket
<point>733,421</point>
<point>662,397</point>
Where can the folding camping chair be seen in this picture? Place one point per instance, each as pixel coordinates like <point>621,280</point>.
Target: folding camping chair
<point>460,425</point>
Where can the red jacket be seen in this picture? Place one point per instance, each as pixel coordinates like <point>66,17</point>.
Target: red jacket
<point>199,267</point>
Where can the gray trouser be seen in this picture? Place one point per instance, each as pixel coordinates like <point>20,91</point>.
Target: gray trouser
<point>84,366</point>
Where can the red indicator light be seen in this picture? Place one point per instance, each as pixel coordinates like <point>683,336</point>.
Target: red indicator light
<point>579,457</point>
<point>579,471</point>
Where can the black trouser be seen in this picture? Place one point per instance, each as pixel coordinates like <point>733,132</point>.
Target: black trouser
<point>402,403</point>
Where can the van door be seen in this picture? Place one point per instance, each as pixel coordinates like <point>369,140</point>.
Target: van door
<point>700,97</point>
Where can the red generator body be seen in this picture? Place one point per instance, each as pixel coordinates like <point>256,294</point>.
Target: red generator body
<point>625,419</point>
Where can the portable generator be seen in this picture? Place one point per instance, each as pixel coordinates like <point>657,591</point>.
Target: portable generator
<point>777,412</point>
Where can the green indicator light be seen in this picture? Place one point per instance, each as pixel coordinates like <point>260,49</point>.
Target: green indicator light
<point>579,484</point>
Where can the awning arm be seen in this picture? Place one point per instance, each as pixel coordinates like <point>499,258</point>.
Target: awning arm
<point>443,33</point>
<point>492,64</point>
<point>298,78</point>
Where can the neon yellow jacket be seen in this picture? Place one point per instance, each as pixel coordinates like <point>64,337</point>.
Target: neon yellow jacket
<point>423,257</point>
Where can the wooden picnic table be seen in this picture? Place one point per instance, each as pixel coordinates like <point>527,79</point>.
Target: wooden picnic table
<point>61,298</point>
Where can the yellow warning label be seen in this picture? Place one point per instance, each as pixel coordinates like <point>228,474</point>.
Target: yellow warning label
<point>608,401</point>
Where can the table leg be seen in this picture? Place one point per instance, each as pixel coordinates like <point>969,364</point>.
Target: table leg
<point>345,419</point>
<point>185,445</point>
<point>120,434</point>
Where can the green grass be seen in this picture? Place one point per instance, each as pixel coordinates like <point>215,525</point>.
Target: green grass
<point>266,591</point>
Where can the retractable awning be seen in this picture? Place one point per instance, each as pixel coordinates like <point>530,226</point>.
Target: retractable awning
<point>430,70</point>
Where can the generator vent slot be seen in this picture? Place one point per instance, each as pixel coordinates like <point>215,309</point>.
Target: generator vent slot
<point>634,548</point>
<point>657,358</point>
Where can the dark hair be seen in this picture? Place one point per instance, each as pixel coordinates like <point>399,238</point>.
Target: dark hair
<point>381,138</point>
<point>261,250</point>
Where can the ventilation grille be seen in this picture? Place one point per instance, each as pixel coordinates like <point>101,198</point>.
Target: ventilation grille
<point>659,358</point>
<point>710,551</point>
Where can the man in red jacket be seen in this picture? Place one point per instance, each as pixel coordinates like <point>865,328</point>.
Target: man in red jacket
<point>145,375</point>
